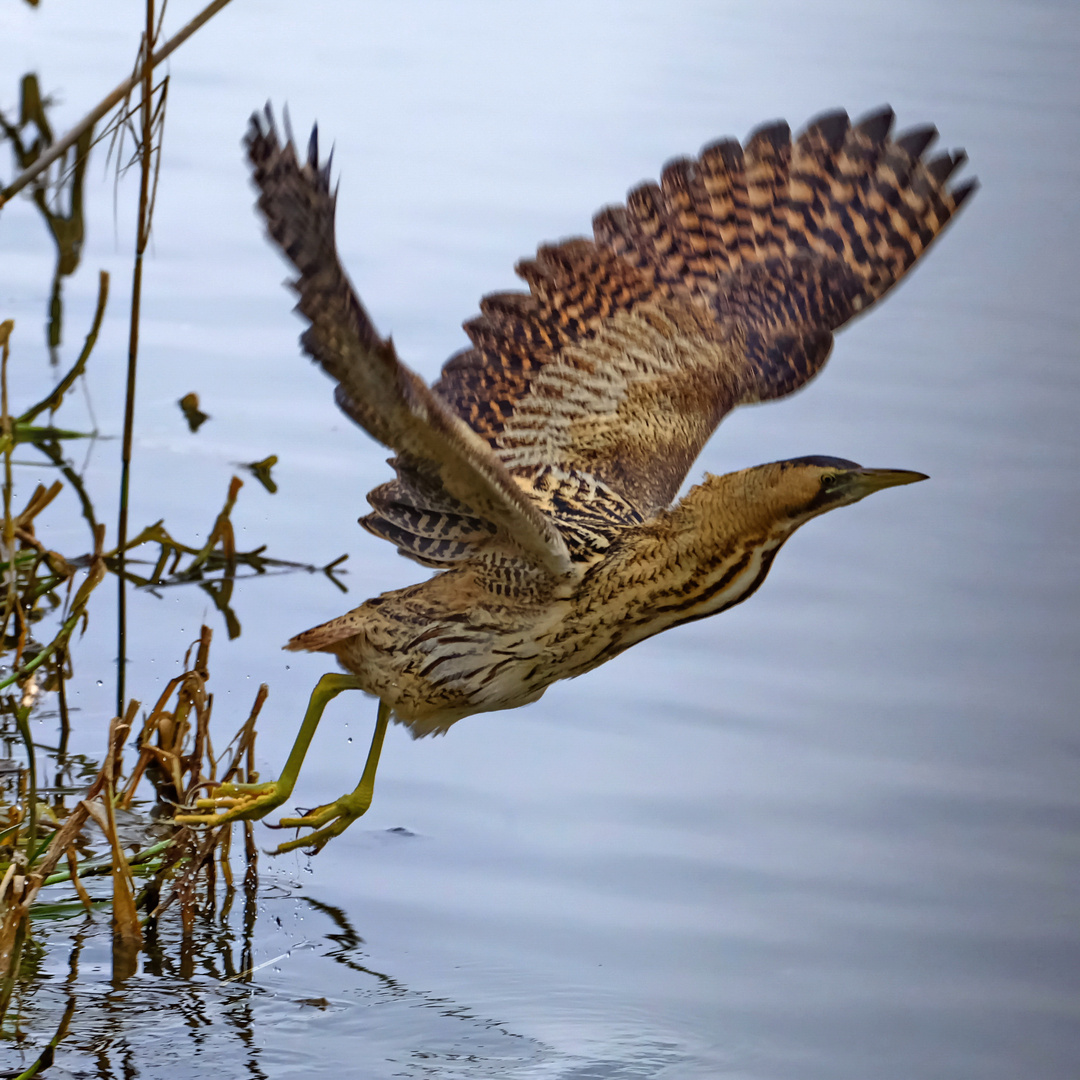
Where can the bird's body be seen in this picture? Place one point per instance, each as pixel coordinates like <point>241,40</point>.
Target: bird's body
<point>538,475</point>
<point>487,636</point>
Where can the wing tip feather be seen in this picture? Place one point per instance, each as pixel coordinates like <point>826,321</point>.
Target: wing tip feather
<point>877,124</point>
<point>914,141</point>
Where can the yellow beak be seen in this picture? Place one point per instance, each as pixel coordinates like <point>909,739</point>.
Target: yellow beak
<point>867,481</point>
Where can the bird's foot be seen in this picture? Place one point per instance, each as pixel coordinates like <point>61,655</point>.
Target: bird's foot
<point>240,802</point>
<point>327,822</point>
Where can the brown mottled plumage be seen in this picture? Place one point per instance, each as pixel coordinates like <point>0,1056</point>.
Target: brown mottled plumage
<point>538,473</point>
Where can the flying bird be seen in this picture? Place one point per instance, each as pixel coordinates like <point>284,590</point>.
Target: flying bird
<point>537,476</point>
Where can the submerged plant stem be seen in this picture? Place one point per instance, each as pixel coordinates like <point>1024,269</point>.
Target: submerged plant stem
<point>46,1058</point>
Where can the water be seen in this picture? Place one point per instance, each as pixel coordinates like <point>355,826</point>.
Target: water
<point>831,833</point>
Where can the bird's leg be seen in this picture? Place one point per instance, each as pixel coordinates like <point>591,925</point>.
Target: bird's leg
<point>334,818</point>
<point>251,801</point>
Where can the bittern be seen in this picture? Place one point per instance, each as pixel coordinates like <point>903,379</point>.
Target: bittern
<point>537,475</point>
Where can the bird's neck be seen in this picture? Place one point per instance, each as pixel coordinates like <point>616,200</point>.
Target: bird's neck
<point>719,542</point>
<point>709,552</point>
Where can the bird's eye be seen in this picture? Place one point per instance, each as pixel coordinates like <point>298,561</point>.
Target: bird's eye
<point>829,481</point>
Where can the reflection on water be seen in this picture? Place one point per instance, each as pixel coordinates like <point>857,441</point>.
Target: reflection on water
<point>200,1004</point>
<point>831,835</point>
<point>196,1015</point>
<point>29,138</point>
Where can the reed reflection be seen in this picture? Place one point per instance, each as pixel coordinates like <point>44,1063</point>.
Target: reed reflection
<point>30,136</point>
<point>199,995</point>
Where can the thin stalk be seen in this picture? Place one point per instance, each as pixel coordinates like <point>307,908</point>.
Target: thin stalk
<point>65,721</point>
<point>141,237</point>
<point>11,975</point>
<point>45,1059</point>
<point>52,400</point>
<point>9,443</point>
<point>60,639</point>
<point>22,722</point>
<point>105,866</point>
<point>58,149</point>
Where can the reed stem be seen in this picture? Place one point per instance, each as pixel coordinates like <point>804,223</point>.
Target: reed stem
<point>141,238</point>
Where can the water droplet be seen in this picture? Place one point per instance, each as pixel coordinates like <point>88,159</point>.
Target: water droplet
<point>100,683</point>
<point>349,739</point>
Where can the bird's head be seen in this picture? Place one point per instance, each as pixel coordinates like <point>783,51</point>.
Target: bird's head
<point>771,501</point>
<point>809,486</point>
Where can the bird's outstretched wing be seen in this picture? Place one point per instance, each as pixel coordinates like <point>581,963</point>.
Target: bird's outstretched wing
<point>720,286</point>
<point>582,403</point>
<point>453,493</point>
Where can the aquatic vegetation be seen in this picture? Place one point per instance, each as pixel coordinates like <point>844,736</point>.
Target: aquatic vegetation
<point>101,834</point>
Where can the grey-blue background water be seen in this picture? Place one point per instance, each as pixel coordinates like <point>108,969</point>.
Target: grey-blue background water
<point>832,833</point>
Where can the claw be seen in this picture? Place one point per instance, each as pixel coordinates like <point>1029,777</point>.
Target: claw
<point>327,822</point>
<point>248,802</point>
<point>240,802</point>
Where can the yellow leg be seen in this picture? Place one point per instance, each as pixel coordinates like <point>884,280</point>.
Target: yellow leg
<point>251,801</point>
<point>334,818</point>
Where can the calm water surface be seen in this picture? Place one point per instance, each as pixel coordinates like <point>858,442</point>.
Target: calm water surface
<point>832,833</point>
